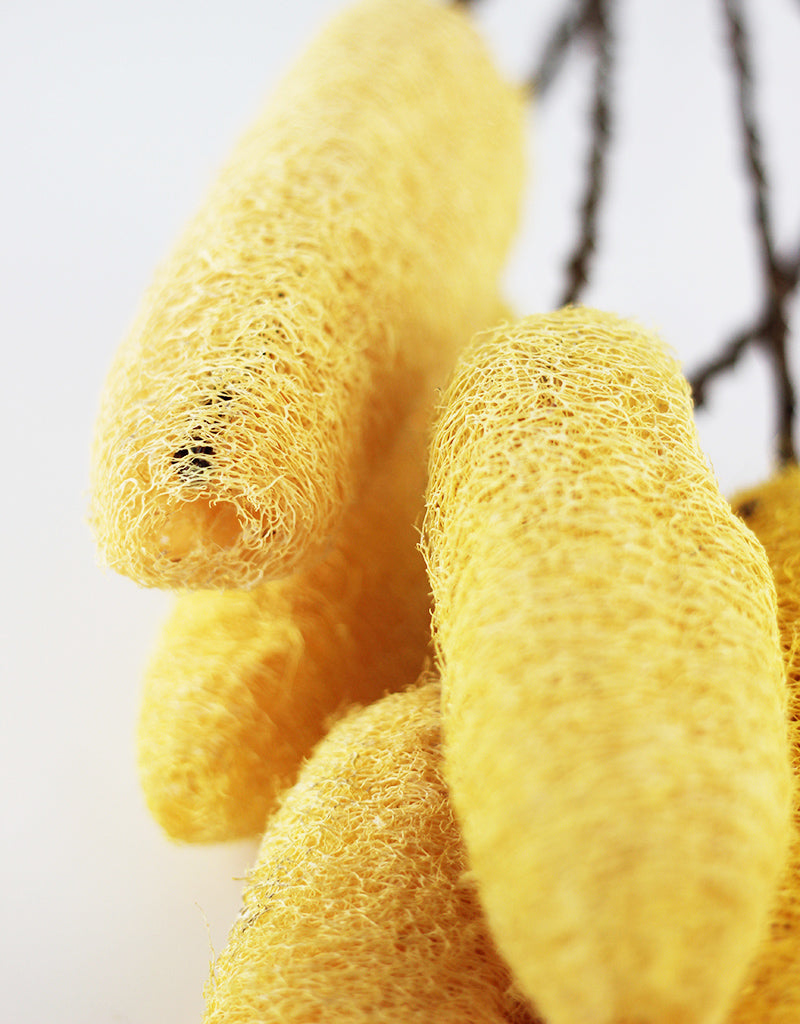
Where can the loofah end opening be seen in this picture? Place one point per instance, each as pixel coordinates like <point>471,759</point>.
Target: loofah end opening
<point>199,524</point>
<point>332,273</point>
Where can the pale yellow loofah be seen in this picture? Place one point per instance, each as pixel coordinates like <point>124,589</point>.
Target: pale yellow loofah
<point>351,244</point>
<point>357,909</point>
<point>614,694</point>
<point>772,510</point>
<point>243,682</point>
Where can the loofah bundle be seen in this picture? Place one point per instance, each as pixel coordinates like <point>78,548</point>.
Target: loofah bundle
<point>350,245</point>
<point>357,908</point>
<point>242,683</point>
<point>614,692</point>
<point>772,992</point>
<point>613,687</point>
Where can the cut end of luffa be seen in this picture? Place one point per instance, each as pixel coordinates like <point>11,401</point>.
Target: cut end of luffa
<point>349,247</point>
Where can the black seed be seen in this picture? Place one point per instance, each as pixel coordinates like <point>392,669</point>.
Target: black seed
<point>220,396</point>
<point>185,464</point>
<point>747,508</point>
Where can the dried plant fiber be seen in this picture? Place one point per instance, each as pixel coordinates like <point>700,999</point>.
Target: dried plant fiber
<point>242,683</point>
<point>347,249</point>
<point>614,699</point>
<point>772,992</point>
<point>357,909</point>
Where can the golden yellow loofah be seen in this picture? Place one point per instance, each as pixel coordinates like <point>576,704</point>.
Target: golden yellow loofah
<point>772,510</point>
<point>357,909</point>
<point>349,246</point>
<point>614,696</point>
<point>243,682</point>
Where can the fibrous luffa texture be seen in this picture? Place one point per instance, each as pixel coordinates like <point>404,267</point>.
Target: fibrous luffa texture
<point>771,994</point>
<point>243,683</point>
<point>357,909</point>
<point>614,696</point>
<point>351,243</point>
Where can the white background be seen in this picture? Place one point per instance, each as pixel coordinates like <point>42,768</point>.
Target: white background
<point>113,118</point>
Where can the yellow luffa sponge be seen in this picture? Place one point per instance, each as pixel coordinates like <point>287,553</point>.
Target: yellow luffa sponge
<point>357,909</point>
<point>242,683</point>
<point>614,720</point>
<point>349,246</point>
<point>772,510</point>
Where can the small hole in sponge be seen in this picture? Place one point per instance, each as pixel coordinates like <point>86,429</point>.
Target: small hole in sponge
<point>199,524</point>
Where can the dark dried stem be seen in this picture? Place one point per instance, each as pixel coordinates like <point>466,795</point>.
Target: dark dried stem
<point>748,123</point>
<point>787,402</point>
<point>572,24</point>
<point>780,275</point>
<point>726,359</point>
<point>597,21</point>
<point>770,333</point>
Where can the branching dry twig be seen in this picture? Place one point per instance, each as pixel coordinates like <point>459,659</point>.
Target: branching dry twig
<point>780,275</point>
<point>590,18</point>
<point>597,20</point>
<point>748,123</point>
<point>568,29</point>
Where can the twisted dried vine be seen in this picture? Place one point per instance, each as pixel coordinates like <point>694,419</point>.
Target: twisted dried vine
<point>591,19</point>
<point>780,273</point>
